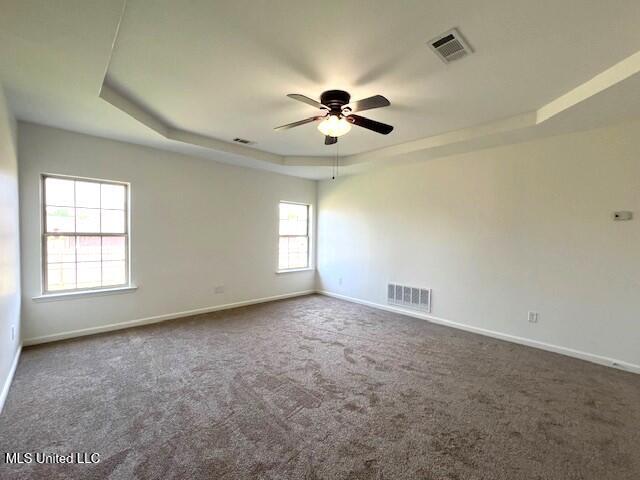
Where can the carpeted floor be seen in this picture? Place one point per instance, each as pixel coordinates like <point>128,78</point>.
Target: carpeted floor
<point>318,388</point>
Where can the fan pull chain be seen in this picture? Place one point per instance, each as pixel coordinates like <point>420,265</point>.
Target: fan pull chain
<point>335,163</point>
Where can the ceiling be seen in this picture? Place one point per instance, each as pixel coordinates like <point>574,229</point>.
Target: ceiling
<point>222,69</point>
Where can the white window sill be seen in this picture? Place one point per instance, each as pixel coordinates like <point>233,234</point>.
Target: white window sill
<point>52,297</point>
<point>291,270</point>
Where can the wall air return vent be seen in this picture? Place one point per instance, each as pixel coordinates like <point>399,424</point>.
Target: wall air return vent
<point>450,46</point>
<point>244,141</point>
<point>411,297</point>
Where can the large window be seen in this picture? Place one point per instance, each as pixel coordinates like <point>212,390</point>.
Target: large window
<point>85,240</point>
<point>294,236</point>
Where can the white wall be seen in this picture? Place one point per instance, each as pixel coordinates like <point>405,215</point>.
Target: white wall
<point>499,232</point>
<point>196,224</point>
<point>9,245</point>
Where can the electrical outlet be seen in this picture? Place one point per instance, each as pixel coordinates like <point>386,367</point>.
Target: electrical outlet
<point>13,332</point>
<point>340,281</point>
<point>219,289</point>
<point>533,317</point>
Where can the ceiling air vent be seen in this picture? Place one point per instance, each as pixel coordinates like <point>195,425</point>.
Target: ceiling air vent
<point>244,141</point>
<point>450,46</point>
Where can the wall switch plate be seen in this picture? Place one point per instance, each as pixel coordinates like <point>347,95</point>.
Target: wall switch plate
<point>622,216</point>
<point>219,289</point>
<point>533,317</point>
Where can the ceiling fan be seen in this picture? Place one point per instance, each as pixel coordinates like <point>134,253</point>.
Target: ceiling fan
<point>338,114</point>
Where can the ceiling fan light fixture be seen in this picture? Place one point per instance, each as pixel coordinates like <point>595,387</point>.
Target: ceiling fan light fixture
<point>334,126</point>
<point>337,114</point>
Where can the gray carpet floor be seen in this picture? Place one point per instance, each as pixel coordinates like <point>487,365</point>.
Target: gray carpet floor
<point>318,388</point>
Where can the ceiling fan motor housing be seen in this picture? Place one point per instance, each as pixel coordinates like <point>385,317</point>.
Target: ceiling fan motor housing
<point>335,100</point>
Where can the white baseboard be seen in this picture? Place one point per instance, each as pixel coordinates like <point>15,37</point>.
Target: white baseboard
<point>589,357</point>
<point>609,362</point>
<point>158,318</point>
<point>7,383</point>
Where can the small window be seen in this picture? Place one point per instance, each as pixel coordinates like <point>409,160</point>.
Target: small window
<point>85,243</point>
<point>294,236</point>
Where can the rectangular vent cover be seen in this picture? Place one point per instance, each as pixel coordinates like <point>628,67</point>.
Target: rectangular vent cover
<point>244,141</point>
<point>412,297</point>
<point>450,46</point>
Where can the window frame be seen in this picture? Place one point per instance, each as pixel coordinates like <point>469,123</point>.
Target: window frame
<point>44,235</point>
<point>308,236</point>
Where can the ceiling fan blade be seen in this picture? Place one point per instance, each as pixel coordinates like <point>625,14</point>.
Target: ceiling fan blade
<point>369,124</point>
<point>376,101</point>
<point>330,140</point>
<point>307,100</point>
<point>296,124</point>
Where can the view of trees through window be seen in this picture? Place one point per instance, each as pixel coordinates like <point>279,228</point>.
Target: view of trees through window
<point>85,241</point>
<point>294,236</point>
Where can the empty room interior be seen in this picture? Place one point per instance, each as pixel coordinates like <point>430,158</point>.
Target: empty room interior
<point>369,239</point>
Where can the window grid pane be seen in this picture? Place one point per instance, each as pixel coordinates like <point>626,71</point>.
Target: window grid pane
<point>294,236</point>
<point>85,239</point>
<point>88,220</point>
<point>60,192</point>
<point>87,194</point>
<point>60,219</point>
<point>61,249</point>
<point>293,219</point>
<point>61,276</point>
